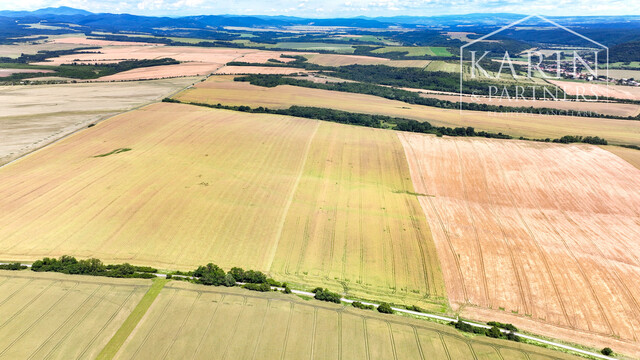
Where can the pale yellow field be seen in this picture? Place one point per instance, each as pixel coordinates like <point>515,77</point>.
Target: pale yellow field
<point>196,322</point>
<point>535,234</point>
<point>222,89</point>
<point>26,125</point>
<point>632,156</point>
<point>55,316</point>
<point>202,185</point>
<point>234,70</point>
<point>353,223</point>
<point>576,89</point>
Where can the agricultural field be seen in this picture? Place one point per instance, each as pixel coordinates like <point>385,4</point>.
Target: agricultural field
<point>577,88</point>
<point>195,61</point>
<point>55,316</point>
<point>63,108</point>
<point>353,221</point>
<point>343,60</point>
<point>234,70</point>
<point>632,156</point>
<point>535,234</point>
<point>222,89</point>
<point>214,172</point>
<point>342,48</point>
<point>190,321</point>
<point>415,50</point>
<point>439,65</point>
<point>614,109</point>
<point>624,74</point>
<point>15,50</point>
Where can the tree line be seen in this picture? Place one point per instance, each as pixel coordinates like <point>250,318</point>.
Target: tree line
<point>409,97</point>
<point>70,265</point>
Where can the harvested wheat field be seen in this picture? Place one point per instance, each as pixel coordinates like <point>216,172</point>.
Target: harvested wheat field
<point>164,71</point>
<point>613,109</point>
<point>55,316</point>
<point>632,156</point>
<point>538,233</point>
<point>79,40</point>
<point>576,88</point>
<point>343,60</point>
<point>196,322</point>
<point>64,108</point>
<point>222,89</point>
<point>235,70</point>
<point>176,186</point>
<point>354,222</point>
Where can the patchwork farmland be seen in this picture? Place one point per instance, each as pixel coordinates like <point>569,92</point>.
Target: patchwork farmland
<point>534,233</point>
<point>222,89</point>
<point>55,316</point>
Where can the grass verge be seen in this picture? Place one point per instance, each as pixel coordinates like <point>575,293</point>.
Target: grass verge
<point>112,347</point>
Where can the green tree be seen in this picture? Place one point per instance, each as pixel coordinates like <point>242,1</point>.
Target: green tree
<point>607,351</point>
<point>385,308</point>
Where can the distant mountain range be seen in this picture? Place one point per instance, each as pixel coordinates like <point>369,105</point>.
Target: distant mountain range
<point>82,17</point>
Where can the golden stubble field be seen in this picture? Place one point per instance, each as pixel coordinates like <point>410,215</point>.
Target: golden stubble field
<point>63,108</point>
<point>202,185</point>
<point>534,234</point>
<point>196,322</point>
<point>56,316</point>
<point>222,89</point>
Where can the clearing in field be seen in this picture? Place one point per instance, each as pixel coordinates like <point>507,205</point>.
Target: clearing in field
<point>222,89</point>
<point>194,322</point>
<point>536,233</point>
<point>198,185</point>
<point>55,316</point>
<point>63,108</point>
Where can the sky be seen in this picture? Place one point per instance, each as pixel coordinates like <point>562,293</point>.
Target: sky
<point>338,8</point>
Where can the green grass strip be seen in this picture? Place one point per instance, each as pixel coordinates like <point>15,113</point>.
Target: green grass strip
<point>113,346</point>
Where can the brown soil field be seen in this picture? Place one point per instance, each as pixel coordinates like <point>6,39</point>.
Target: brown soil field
<point>63,108</point>
<point>9,72</point>
<point>222,89</point>
<point>197,322</point>
<point>632,156</point>
<point>235,70</point>
<point>614,109</point>
<point>535,232</point>
<point>615,91</point>
<point>342,60</point>
<point>164,71</point>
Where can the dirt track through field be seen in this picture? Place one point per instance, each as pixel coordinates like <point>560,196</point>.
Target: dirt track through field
<point>537,231</point>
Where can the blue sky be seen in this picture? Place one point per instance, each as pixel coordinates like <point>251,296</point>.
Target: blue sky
<point>337,8</point>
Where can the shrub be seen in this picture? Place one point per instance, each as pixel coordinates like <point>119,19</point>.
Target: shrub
<point>257,287</point>
<point>509,327</point>
<point>229,280</point>
<point>359,305</point>
<point>169,276</point>
<point>607,351</point>
<point>326,295</point>
<point>494,332</point>
<point>414,308</point>
<point>210,274</point>
<point>385,308</point>
<point>13,266</point>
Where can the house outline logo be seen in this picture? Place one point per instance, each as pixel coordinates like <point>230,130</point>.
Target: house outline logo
<point>602,47</point>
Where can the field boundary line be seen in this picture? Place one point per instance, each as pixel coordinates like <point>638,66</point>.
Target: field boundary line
<point>285,212</point>
<point>127,327</point>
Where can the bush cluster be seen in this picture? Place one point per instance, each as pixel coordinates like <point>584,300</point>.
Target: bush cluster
<point>493,332</point>
<point>13,266</point>
<point>70,265</point>
<point>385,308</point>
<point>359,305</point>
<point>326,295</point>
<point>509,327</point>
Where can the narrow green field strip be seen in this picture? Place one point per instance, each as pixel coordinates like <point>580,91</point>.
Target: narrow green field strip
<point>112,347</point>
